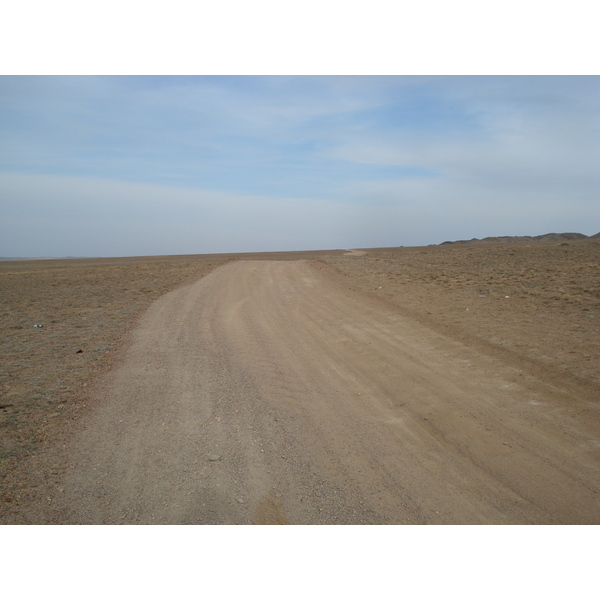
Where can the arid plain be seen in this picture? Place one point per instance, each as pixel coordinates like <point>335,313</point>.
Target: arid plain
<point>439,384</point>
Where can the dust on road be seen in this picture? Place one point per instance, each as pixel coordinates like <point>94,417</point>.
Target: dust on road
<point>267,393</point>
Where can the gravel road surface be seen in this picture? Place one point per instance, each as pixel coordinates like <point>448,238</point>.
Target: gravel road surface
<point>268,393</point>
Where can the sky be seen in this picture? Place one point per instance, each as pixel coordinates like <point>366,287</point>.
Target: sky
<point>153,165</point>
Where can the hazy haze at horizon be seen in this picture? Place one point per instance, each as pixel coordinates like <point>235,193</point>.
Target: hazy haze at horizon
<point>123,166</point>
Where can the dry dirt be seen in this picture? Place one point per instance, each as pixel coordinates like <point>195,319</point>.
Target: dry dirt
<point>446,384</point>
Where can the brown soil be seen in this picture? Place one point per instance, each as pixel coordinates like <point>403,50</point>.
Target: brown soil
<point>530,304</point>
<point>393,386</point>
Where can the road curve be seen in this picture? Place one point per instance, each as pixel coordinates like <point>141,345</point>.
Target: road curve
<point>267,393</point>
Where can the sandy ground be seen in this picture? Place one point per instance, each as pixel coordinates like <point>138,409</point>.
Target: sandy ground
<point>307,391</point>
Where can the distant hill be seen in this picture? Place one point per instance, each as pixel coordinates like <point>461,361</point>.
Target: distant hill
<point>547,237</point>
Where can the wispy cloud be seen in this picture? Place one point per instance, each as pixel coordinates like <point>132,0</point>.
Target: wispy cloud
<point>155,165</point>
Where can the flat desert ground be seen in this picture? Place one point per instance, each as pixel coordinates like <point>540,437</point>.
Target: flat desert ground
<point>452,384</point>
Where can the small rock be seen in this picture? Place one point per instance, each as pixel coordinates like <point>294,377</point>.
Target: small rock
<point>214,457</point>
<point>79,352</point>
<point>240,500</point>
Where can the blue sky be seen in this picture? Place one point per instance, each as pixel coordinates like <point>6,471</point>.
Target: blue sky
<point>121,166</point>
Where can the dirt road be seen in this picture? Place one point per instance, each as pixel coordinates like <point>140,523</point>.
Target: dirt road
<point>267,393</point>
